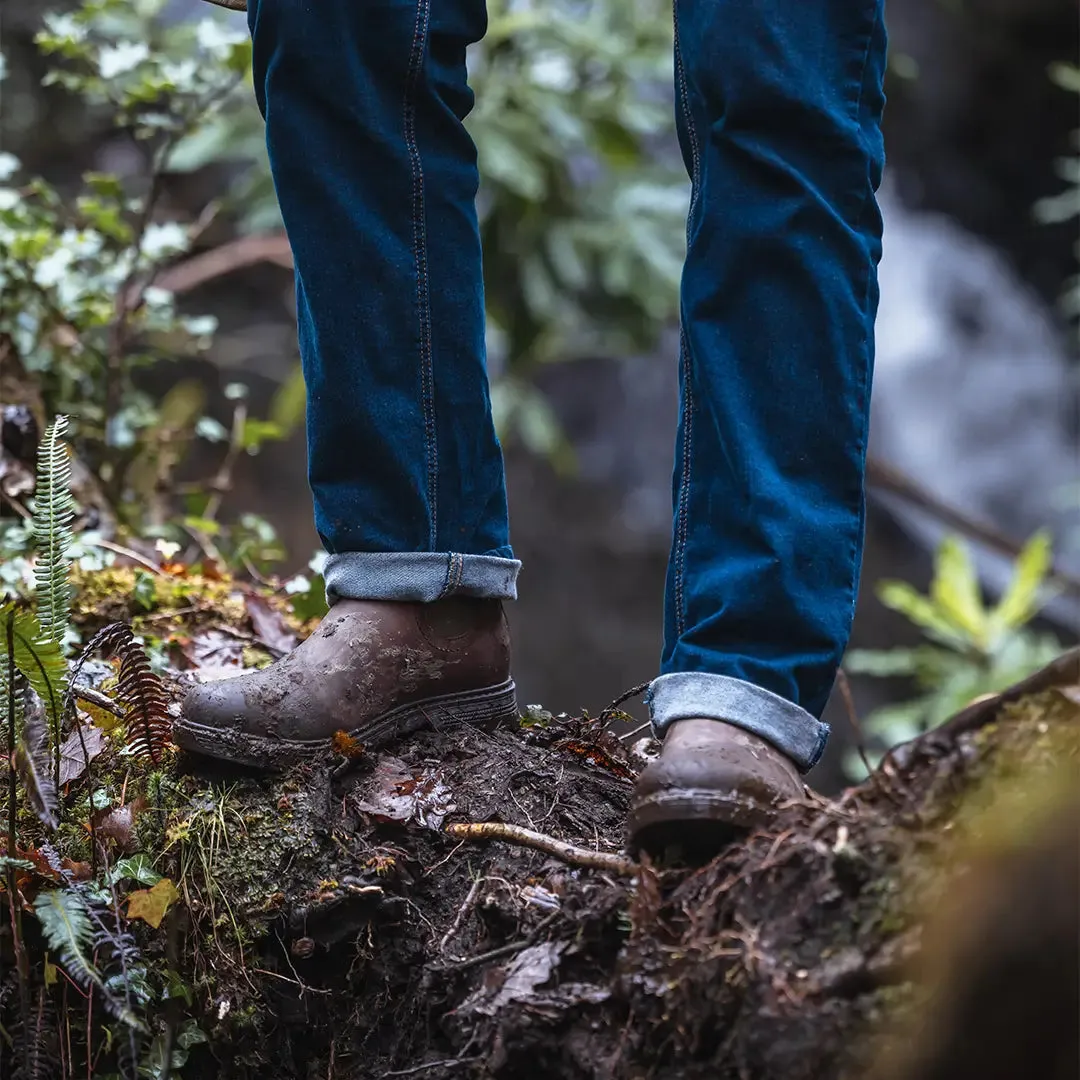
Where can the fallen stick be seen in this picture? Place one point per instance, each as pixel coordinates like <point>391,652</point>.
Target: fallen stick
<point>568,853</point>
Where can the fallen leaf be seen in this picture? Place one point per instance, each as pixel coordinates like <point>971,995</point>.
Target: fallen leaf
<point>595,756</point>
<point>529,970</point>
<point>211,569</point>
<point>118,823</point>
<point>214,654</point>
<point>150,905</point>
<point>73,762</point>
<point>79,871</point>
<point>397,793</point>
<point>269,625</point>
<point>101,718</point>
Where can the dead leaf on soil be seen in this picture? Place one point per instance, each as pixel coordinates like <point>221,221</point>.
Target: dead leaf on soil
<point>150,905</point>
<point>79,871</point>
<point>269,625</point>
<point>100,718</point>
<point>398,793</point>
<point>73,762</point>
<point>530,969</point>
<point>118,824</point>
<point>594,756</point>
<point>215,655</point>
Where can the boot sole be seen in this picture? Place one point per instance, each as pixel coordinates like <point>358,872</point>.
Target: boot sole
<point>697,821</point>
<point>487,708</point>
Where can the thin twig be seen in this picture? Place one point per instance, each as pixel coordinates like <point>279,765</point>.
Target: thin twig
<point>889,479</point>
<point>463,911</point>
<point>633,734</point>
<point>568,853</point>
<point>448,1063</point>
<point>131,292</point>
<point>609,712</point>
<point>16,506</point>
<point>503,950</point>
<point>119,549</point>
<point>224,259</point>
<point>98,700</point>
<point>877,775</point>
<point>844,685</point>
<point>222,482</point>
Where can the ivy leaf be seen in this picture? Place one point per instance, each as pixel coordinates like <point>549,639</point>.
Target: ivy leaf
<point>139,867</point>
<point>150,905</point>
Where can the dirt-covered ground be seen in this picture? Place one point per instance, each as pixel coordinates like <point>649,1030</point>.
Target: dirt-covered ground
<point>330,924</point>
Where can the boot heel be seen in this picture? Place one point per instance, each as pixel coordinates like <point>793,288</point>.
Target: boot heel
<point>488,709</point>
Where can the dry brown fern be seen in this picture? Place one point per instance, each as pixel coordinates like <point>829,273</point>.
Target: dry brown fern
<point>139,690</point>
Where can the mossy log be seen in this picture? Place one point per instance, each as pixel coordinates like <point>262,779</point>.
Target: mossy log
<point>331,925</point>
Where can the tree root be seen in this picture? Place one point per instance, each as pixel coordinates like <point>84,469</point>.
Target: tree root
<point>568,853</point>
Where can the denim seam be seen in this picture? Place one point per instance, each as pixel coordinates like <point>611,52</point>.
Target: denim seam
<point>445,591</point>
<point>682,514</point>
<point>682,527</point>
<point>865,342</point>
<point>420,254</point>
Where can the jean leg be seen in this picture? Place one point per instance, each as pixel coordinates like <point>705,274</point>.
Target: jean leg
<point>779,114</point>
<point>376,176</point>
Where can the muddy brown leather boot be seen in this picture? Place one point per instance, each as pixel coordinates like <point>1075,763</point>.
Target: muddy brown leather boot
<point>711,782</point>
<point>376,670</point>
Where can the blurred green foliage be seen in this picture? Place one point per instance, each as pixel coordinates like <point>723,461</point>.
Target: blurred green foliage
<point>582,203</point>
<point>1065,206</point>
<point>972,649</point>
<point>582,211</point>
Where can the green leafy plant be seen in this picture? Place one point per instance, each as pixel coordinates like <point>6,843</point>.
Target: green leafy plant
<point>54,510</point>
<point>69,926</point>
<point>81,923</point>
<point>972,650</point>
<point>1065,206</point>
<point>583,200</point>
<point>82,307</point>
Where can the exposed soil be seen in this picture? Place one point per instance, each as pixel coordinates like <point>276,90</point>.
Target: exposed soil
<point>330,926</point>
<point>378,946</point>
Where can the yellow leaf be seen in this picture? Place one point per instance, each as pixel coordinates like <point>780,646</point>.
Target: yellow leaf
<point>101,718</point>
<point>150,905</point>
<point>51,974</point>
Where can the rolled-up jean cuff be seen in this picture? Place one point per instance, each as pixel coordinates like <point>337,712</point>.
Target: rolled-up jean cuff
<point>687,695</point>
<point>422,576</point>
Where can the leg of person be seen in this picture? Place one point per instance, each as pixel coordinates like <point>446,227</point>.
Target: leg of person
<point>376,177</point>
<point>779,111</point>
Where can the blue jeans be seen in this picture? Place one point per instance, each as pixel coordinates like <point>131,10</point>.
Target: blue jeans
<point>778,106</point>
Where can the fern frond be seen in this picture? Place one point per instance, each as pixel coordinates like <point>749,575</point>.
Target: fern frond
<point>32,762</point>
<point>41,662</point>
<point>121,954</point>
<point>69,921</point>
<point>139,690</point>
<point>39,1042</point>
<point>67,928</point>
<point>149,730</point>
<point>54,511</point>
